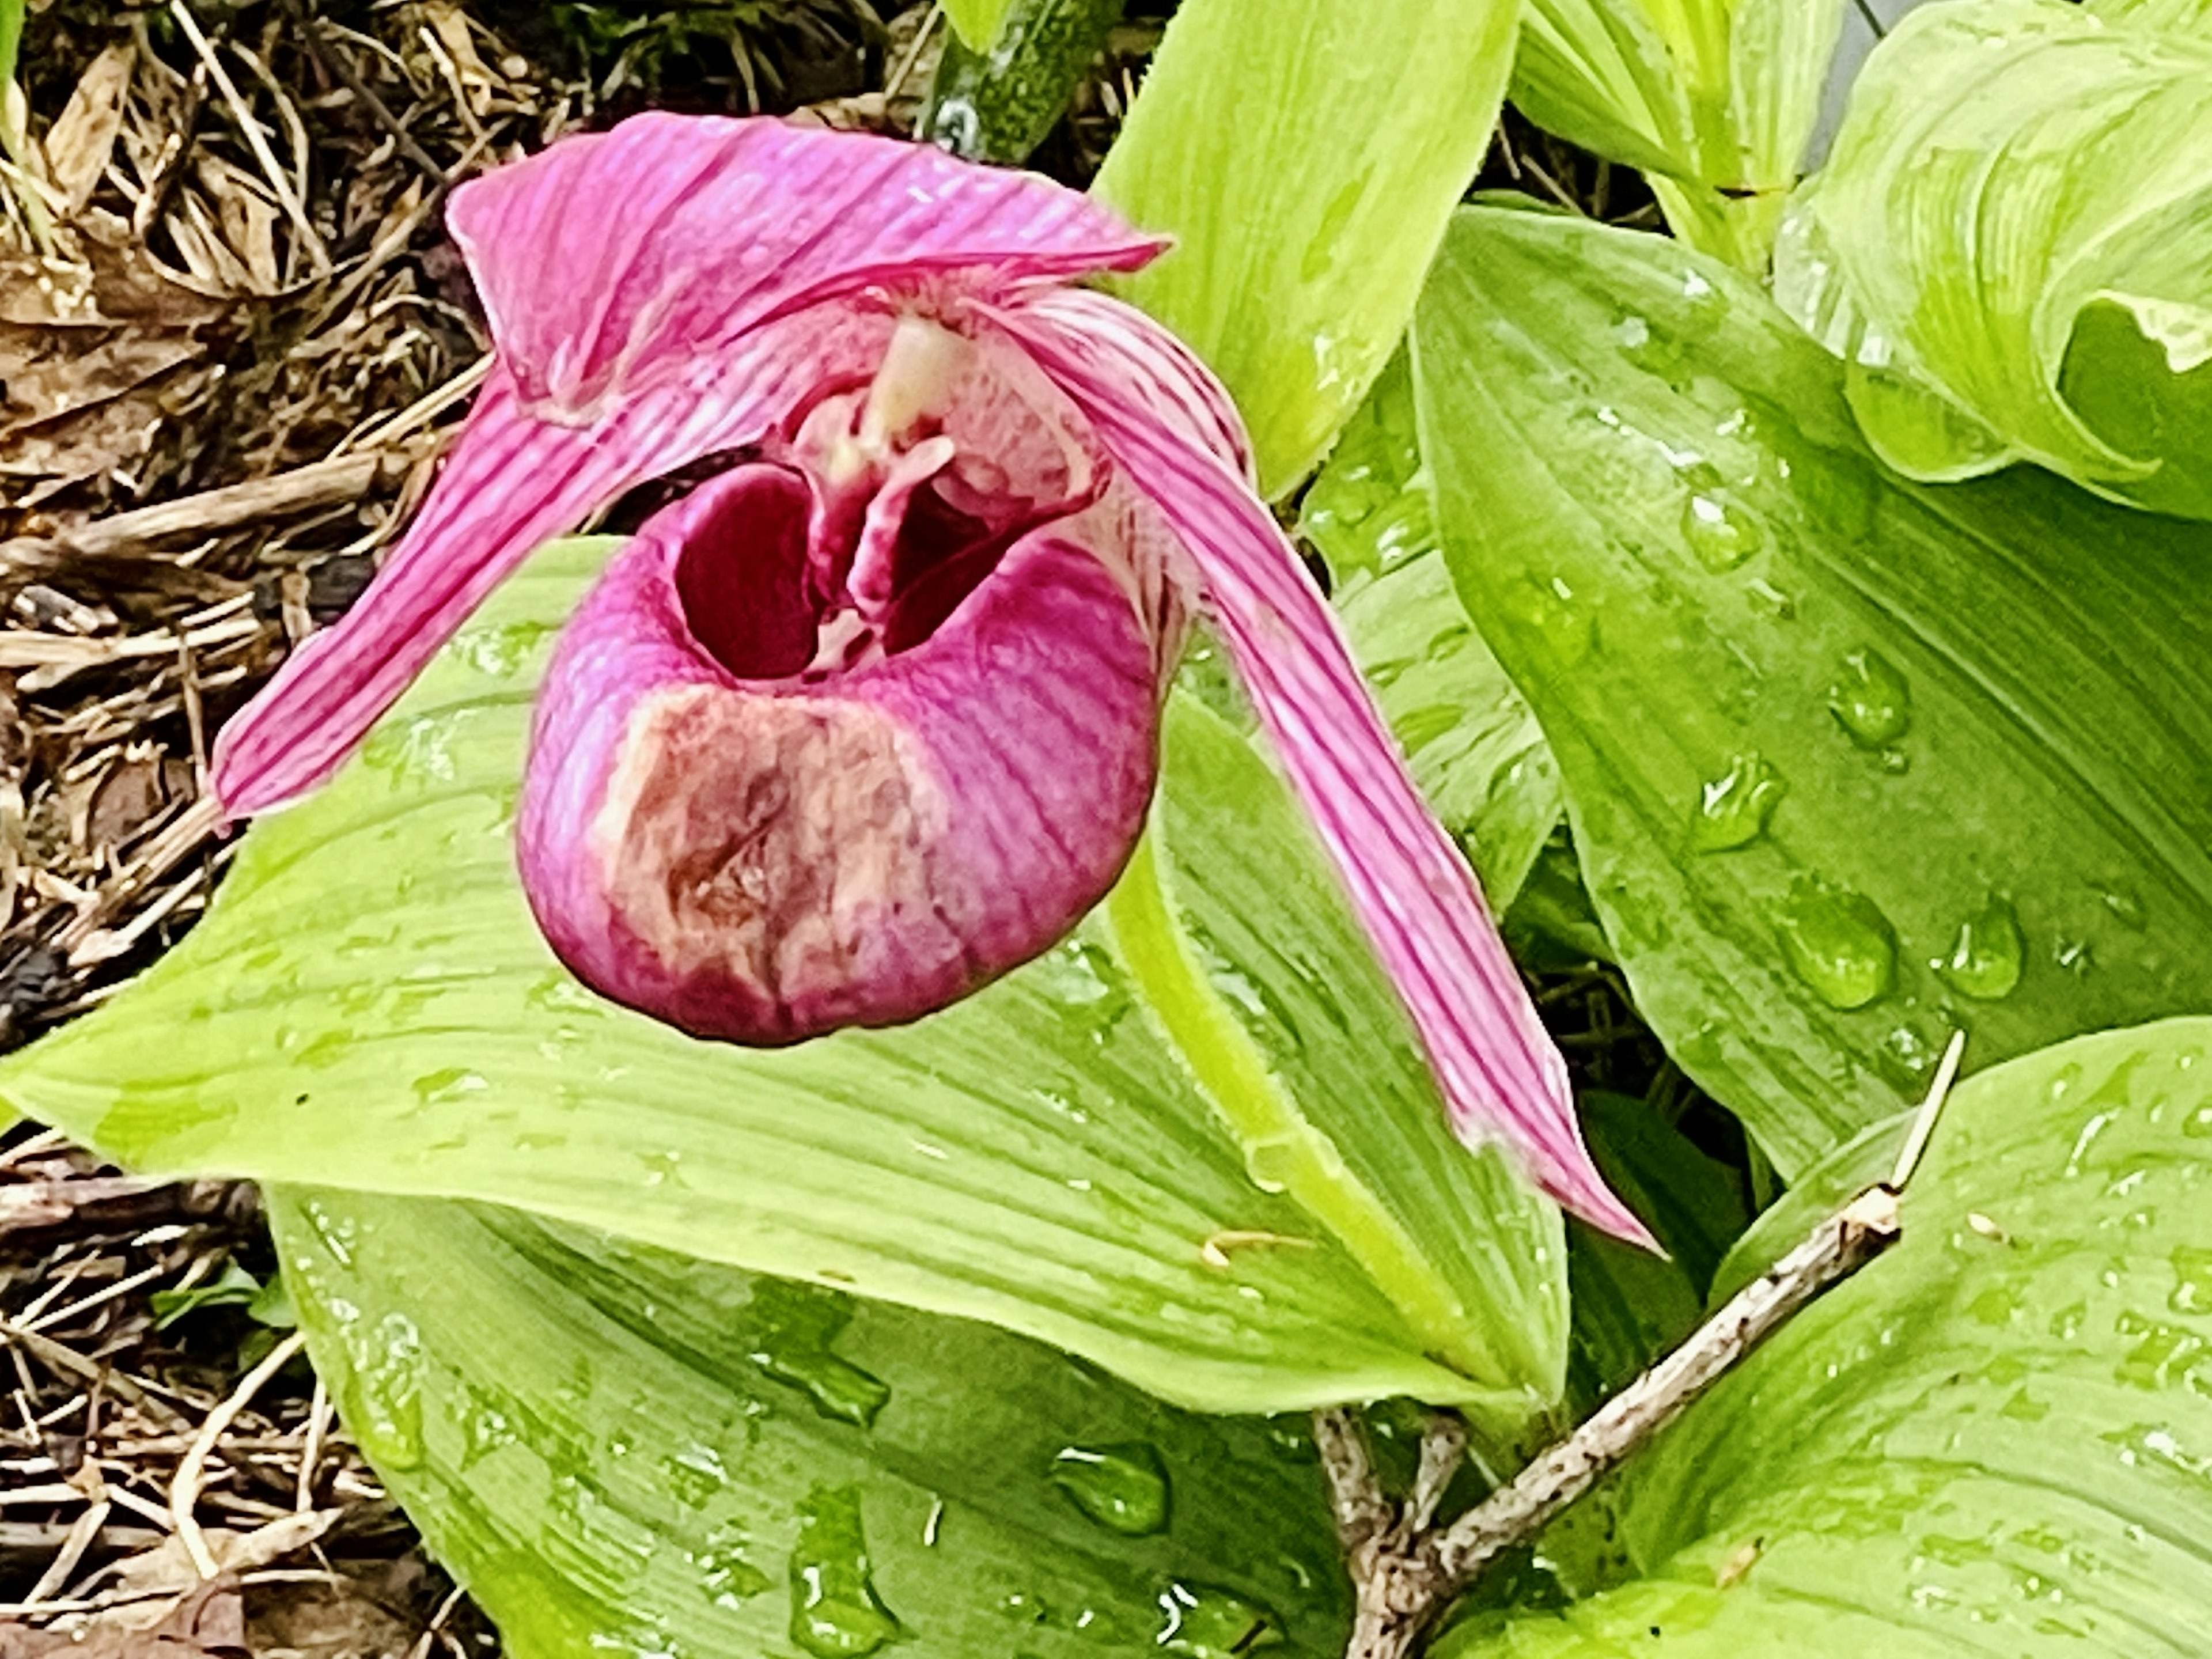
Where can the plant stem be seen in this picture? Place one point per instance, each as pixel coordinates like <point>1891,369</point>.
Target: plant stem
<point>1260,1114</point>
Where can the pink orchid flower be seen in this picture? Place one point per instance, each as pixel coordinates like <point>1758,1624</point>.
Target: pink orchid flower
<point>872,716</point>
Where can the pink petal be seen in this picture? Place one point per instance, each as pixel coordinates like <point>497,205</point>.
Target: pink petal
<point>656,294</point>
<point>512,483</point>
<point>1159,414</point>
<point>620,253</point>
<point>760,857</point>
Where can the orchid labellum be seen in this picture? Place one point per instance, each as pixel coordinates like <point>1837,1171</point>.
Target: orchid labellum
<point>871,717</point>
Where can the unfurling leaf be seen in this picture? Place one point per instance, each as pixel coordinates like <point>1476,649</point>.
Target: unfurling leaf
<point>2011,245</point>
<point>1714,100</point>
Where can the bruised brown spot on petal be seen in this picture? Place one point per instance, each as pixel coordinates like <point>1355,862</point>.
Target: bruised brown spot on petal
<point>781,846</point>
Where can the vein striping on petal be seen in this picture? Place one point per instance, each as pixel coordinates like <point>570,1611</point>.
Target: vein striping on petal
<point>1415,896</point>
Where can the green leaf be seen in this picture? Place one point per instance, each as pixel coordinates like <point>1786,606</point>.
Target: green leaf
<point>370,1005</point>
<point>978,22</point>
<point>233,1287</point>
<point>1631,1306</point>
<point>998,105</point>
<point>1305,155</point>
<point>1819,728</point>
<point>1994,1440</point>
<point>1714,100</point>
<point>2012,243</point>
<point>1473,745</point>
<point>622,1451</point>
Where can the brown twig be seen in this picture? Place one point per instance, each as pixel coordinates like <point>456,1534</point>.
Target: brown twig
<point>1407,1573</point>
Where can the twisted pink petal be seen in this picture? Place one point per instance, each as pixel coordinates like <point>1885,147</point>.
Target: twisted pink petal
<point>1502,1076</point>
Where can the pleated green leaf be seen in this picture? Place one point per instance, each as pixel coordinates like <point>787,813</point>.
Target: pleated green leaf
<point>1993,1441</point>
<point>1305,155</point>
<point>625,1452</point>
<point>1850,762</point>
<point>1470,735</point>
<point>1714,100</point>
<point>2012,244</point>
<point>369,1006</point>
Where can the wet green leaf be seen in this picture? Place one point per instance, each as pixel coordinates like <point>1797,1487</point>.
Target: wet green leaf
<point>1714,100</point>
<point>1994,1440</point>
<point>625,1452</point>
<point>1474,747</point>
<point>2011,243</point>
<point>1305,155</point>
<point>368,1005</point>
<point>1593,401</point>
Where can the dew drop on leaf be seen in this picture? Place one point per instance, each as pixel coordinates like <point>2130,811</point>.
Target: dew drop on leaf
<point>1201,1622</point>
<point>1839,943</point>
<point>835,1611</point>
<point>1124,1488</point>
<point>500,652</point>
<point>725,1573</point>
<point>1733,809</point>
<point>2126,908</point>
<point>386,1419</point>
<point>1871,700</point>
<point>1721,535</point>
<point>1985,958</point>
<point>2192,1280</point>
<point>792,1326</point>
<point>695,1475</point>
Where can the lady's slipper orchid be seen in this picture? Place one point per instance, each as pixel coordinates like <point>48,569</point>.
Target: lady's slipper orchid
<point>871,716</point>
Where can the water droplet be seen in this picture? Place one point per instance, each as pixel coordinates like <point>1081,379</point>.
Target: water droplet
<point>2192,1280</point>
<point>559,994</point>
<point>1768,600</point>
<point>835,1611</point>
<point>500,651</point>
<point>791,1328</point>
<point>2163,1356</point>
<point>447,1085</point>
<point>419,750</point>
<point>387,1418</point>
<point>1907,1055</point>
<point>1202,1622</point>
<point>1733,809</point>
<point>1839,943</point>
<point>484,1431</point>
<point>695,1475</point>
<point>2127,909</point>
<point>1721,535</point>
<point>1871,700</point>
<point>1985,959</point>
<point>1122,1487</point>
<point>725,1573</point>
